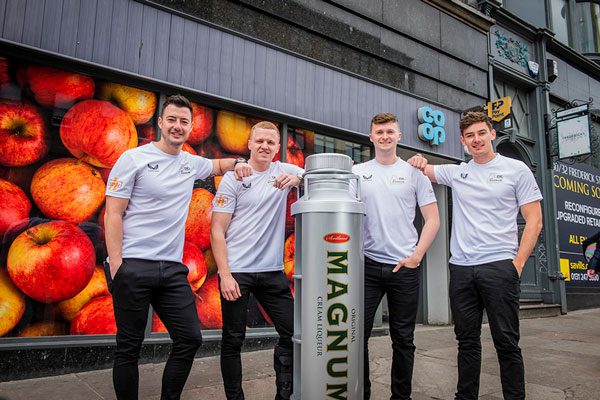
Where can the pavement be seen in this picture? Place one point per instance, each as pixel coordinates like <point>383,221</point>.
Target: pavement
<point>562,361</point>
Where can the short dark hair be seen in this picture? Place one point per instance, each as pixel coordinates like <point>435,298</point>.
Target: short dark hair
<point>178,101</point>
<point>383,118</point>
<point>473,117</point>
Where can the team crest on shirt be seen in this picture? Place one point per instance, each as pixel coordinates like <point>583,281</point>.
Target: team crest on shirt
<point>115,184</point>
<point>366,178</point>
<point>185,169</point>
<point>152,167</point>
<point>247,185</point>
<point>221,201</point>
<point>271,179</point>
<point>495,178</point>
<point>398,180</point>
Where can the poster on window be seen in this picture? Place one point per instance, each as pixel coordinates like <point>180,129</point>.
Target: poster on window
<point>577,188</point>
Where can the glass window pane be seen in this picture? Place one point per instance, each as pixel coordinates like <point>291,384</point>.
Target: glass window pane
<point>588,18</point>
<point>560,18</point>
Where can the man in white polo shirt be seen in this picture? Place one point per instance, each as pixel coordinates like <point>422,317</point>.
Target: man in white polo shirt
<point>487,260</point>
<point>391,190</point>
<point>147,199</point>
<point>247,236</point>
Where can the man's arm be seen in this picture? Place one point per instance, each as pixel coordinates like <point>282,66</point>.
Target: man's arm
<point>240,170</point>
<point>113,231</point>
<point>421,163</point>
<point>532,213</point>
<point>430,228</point>
<point>218,226</point>
<point>283,181</point>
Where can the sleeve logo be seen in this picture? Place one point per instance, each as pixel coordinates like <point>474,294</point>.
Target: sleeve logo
<point>115,185</point>
<point>221,201</point>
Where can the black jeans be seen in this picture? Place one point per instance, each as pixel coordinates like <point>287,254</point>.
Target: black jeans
<point>402,290</point>
<point>272,291</point>
<point>495,287</point>
<point>136,285</point>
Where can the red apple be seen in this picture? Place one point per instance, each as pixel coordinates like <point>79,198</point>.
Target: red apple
<point>209,308</point>
<point>211,264</point>
<point>97,132</point>
<point>53,87</point>
<point>194,260</point>
<point>14,206</point>
<point>289,218</point>
<point>52,261</point>
<point>203,123</point>
<point>95,318</point>
<point>233,132</point>
<point>289,250</point>
<point>209,150</point>
<point>4,74</point>
<point>187,148</point>
<point>97,286</point>
<point>197,225</point>
<point>138,103</point>
<point>23,135</point>
<point>293,153</point>
<point>12,304</point>
<point>68,189</point>
<point>147,132</point>
<point>157,324</point>
<point>104,173</point>
<point>48,328</point>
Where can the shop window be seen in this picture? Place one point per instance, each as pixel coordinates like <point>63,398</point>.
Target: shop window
<point>520,105</point>
<point>560,20</point>
<point>588,24</point>
<point>60,134</point>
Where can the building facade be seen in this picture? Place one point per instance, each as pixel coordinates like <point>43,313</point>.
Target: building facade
<point>319,69</point>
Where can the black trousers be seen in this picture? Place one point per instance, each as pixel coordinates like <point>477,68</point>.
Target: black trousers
<point>495,287</point>
<point>402,290</point>
<point>136,285</point>
<point>272,291</point>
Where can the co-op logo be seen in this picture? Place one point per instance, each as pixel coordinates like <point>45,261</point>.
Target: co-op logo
<point>431,128</point>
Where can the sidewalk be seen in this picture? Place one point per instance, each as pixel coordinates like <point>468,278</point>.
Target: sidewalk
<point>562,361</point>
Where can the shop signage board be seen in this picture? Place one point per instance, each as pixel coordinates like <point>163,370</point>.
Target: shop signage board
<point>573,126</point>
<point>577,188</point>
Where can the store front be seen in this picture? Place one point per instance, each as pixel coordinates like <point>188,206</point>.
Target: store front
<point>69,108</point>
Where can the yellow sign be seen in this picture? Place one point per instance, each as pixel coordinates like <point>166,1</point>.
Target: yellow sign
<point>499,109</point>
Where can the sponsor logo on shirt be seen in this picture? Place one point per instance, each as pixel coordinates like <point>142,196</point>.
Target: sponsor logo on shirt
<point>185,169</point>
<point>464,175</point>
<point>271,179</point>
<point>336,237</point>
<point>221,201</point>
<point>396,179</point>
<point>366,178</point>
<point>115,184</point>
<point>152,167</point>
<point>247,185</point>
<point>495,178</point>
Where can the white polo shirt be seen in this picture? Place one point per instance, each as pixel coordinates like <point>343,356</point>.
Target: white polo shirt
<point>159,188</point>
<point>256,232</point>
<point>485,202</point>
<point>391,194</point>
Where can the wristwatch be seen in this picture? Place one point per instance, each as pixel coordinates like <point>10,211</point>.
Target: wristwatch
<point>239,160</point>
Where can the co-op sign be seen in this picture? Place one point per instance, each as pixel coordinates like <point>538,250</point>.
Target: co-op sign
<point>431,125</point>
